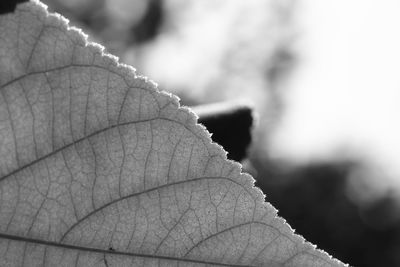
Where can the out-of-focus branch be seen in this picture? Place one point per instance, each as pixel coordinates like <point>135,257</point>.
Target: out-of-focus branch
<point>230,126</point>
<point>8,6</point>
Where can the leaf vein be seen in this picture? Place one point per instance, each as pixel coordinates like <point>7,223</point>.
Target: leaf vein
<point>112,252</point>
<point>145,192</point>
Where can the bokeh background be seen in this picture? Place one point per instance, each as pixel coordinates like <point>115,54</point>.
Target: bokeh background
<point>322,77</point>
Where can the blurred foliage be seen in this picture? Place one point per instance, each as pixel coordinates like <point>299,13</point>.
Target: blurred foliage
<point>314,201</point>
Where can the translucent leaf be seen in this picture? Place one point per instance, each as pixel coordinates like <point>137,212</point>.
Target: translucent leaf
<point>99,168</point>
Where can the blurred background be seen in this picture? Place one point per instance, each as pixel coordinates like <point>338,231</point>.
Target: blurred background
<point>322,77</point>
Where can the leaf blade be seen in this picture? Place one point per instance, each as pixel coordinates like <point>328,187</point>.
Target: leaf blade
<point>96,157</point>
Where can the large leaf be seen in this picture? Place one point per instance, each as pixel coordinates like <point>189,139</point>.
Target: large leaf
<point>100,168</point>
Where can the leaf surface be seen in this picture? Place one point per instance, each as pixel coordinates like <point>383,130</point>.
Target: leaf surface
<point>100,168</point>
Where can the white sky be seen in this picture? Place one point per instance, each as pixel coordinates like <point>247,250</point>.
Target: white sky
<point>345,93</point>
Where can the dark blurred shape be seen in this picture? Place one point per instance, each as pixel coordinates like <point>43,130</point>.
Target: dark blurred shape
<point>313,200</point>
<point>382,214</point>
<point>230,126</point>
<point>148,27</point>
<point>8,6</point>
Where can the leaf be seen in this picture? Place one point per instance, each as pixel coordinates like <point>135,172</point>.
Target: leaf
<point>99,168</point>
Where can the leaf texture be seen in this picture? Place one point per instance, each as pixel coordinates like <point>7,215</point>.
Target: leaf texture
<point>100,168</point>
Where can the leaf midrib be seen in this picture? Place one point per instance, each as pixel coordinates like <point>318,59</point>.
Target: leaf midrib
<point>113,252</point>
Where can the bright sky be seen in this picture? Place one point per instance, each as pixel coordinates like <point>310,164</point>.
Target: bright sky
<point>345,93</point>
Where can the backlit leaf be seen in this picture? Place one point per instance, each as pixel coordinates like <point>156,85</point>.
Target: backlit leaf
<point>100,168</point>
